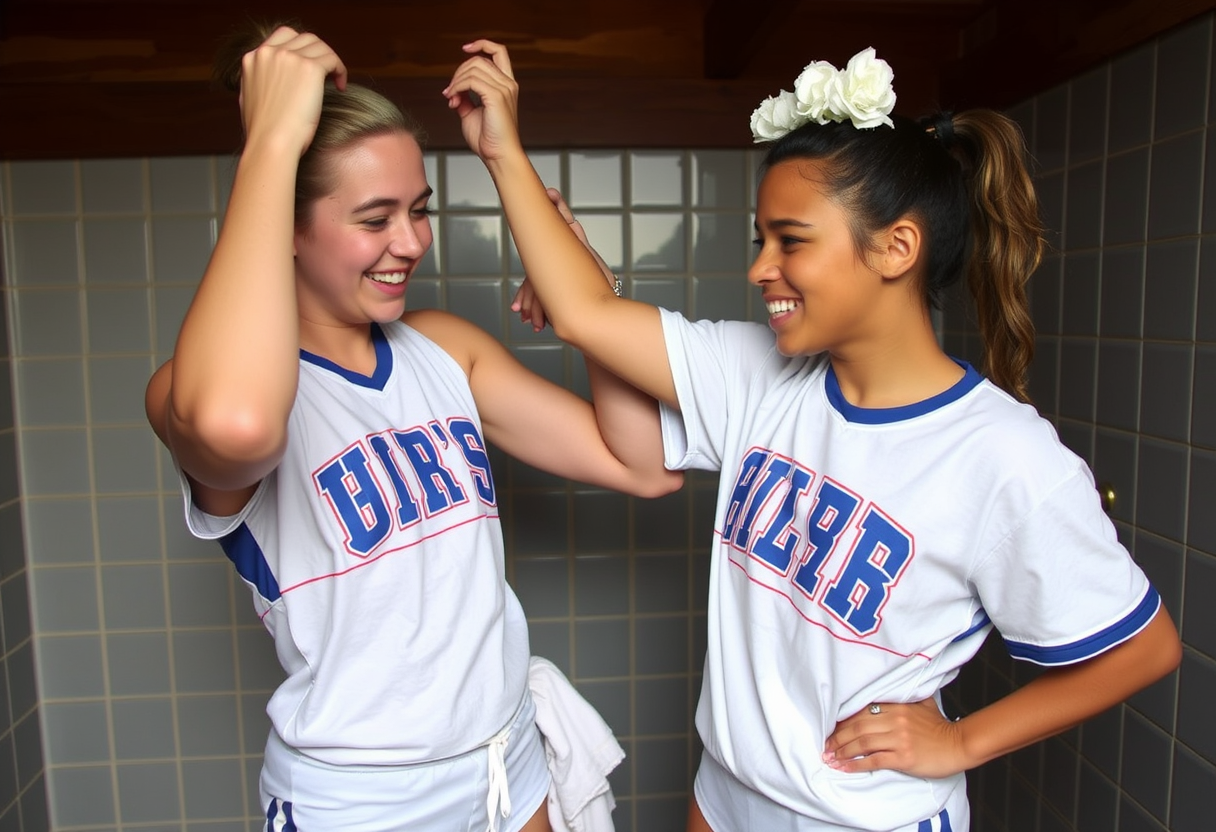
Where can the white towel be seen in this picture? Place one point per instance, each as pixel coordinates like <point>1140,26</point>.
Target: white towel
<point>580,749</point>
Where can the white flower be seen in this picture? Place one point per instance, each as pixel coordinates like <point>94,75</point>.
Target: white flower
<point>776,116</point>
<point>863,93</point>
<point>811,90</point>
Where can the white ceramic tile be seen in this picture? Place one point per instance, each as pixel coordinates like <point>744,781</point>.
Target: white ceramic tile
<point>59,531</point>
<point>721,243</point>
<point>149,792</point>
<point>124,460</point>
<point>119,320</point>
<point>548,167</point>
<point>80,796</point>
<point>65,599</point>
<point>44,253</point>
<point>479,301</point>
<point>116,390</point>
<point>656,178</point>
<point>112,186</point>
<point>473,245</point>
<point>595,180</point>
<point>181,247</point>
<point>468,183</point>
<point>718,179</point>
<point>54,462</point>
<point>69,667</point>
<point>115,251</point>
<point>605,233</point>
<point>181,185</point>
<point>76,732</point>
<point>50,392</point>
<point>48,322</point>
<point>143,728</point>
<point>658,242</point>
<point>43,187</point>
<point>128,529</point>
<point>169,305</point>
<point>133,597</point>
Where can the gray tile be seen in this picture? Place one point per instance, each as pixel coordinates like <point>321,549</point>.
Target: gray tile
<point>668,293</point>
<point>606,234</point>
<point>205,661</point>
<point>1203,403</point>
<point>473,245</point>
<point>546,360</point>
<point>9,473</point>
<point>1102,740</point>
<point>657,242</point>
<point>169,305</point>
<point>207,726</point>
<point>119,321</point>
<point>718,179</point>
<point>1125,218</point>
<point>12,541</point>
<point>143,728</point>
<point>660,645</point>
<point>1201,526</point>
<point>468,182</point>
<point>721,243</point>
<point>179,543</point>
<point>50,393</point>
<point>720,298</point>
<point>660,583</point>
<point>1078,370</point>
<point>43,253</point>
<point>8,777</point>
<point>1083,219</point>
<point>548,166</point>
<point>181,247</point>
<point>662,766</point>
<point>1050,147</point>
<point>1087,121</point>
<point>1132,81</point>
<point>43,187</point>
<point>601,585</point>
<point>116,390</point>
<point>76,732</point>
<point>1208,224</point>
<point>1163,562</point>
<point>1122,292</point>
<point>424,293</point>
<point>1165,399</point>
<point>256,659</point>
<point>1132,818</point>
<point>181,185</point>
<point>601,647</point>
<point>1182,56</point>
<point>22,695</point>
<point>1196,690</point>
<point>81,796</point>
<point>1198,621</point>
<point>1161,485</point>
<point>1175,189</point>
<point>612,701</point>
<point>656,177</point>
<point>134,597</point>
<point>69,667</point>
<point>112,185</point>
<point>124,460</point>
<point>552,641</point>
<point>662,706</point>
<point>479,301</point>
<point>66,599</point>
<point>661,523</point>
<point>1050,189</point>
<point>1169,290</point>
<point>1118,384</point>
<point>199,594</point>
<point>148,792</point>
<point>601,521</point>
<point>35,813</point>
<point>255,725</point>
<point>1078,436</point>
<point>1044,375</point>
<point>139,663</point>
<point>1158,703</point>
<point>1080,294</point>
<point>1097,801</point>
<point>48,322</point>
<point>539,524</point>
<point>115,252</point>
<point>1193,793</point>
<point>595,180</point>
<point>543,586</point>
<point>129,529</point>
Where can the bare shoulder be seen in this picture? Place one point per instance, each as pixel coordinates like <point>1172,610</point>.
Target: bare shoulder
<point>461,339</point>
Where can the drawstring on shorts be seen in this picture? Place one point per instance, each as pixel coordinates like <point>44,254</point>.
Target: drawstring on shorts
<point>498,797</point>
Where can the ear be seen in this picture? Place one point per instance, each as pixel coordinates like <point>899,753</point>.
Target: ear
<point>899,249</point>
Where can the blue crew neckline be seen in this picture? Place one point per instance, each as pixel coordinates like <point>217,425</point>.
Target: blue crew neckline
<point>384,363</point>
<point>888,415</point>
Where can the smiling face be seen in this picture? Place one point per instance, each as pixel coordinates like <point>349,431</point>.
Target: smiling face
<point>819,289</point>
<point>364,239</point>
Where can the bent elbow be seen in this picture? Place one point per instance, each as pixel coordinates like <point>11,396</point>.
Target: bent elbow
<point>660,485</point>
<point>242,437</point>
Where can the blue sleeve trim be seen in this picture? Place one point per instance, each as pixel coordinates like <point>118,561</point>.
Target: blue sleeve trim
<point>245,553</point>
<point>1092,645</point>
<point>980,621</point>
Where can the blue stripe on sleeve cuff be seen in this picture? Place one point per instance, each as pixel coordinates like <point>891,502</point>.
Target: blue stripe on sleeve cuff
<point>1090,646</point>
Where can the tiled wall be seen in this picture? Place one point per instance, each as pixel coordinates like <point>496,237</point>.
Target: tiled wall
<point>1125,309</point>
<point>153,670</point>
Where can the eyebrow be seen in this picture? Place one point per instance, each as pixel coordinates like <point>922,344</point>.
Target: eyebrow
<point>389,202</point>
<point>777,224</point>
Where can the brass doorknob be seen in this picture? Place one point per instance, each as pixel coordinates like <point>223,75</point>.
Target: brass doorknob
<point>1107,492</point>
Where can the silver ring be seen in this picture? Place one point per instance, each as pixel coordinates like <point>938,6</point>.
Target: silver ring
<point>875,709</point>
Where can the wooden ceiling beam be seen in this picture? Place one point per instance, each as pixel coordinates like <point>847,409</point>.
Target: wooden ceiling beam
<point>734,31</point>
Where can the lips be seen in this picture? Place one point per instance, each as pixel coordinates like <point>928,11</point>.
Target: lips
<point>392,278</point>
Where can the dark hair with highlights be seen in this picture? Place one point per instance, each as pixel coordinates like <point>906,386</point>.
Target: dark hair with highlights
<point>970,192</point>
<point>347,116</point>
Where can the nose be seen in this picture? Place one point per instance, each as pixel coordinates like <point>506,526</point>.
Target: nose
<point>762,270</point>
<point>408,241</point>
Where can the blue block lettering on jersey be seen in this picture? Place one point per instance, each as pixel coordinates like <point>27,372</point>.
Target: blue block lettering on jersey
<point>407,506</point>
<point>735,530</point>
<point>880,556</point>
<point>469,440</point>
<point>777,543</point>
<point>355,496</point>
<point>439,488</point>
<point>830,516</point>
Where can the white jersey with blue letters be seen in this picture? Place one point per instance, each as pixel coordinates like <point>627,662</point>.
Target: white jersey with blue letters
<point>374,553</point>
<point>863,555</point>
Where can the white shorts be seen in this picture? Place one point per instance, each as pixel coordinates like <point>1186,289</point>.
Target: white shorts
<point>730,806</point>
<point>300,794</point>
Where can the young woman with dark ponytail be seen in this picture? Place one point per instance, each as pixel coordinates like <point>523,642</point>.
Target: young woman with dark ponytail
<point>882,506</point>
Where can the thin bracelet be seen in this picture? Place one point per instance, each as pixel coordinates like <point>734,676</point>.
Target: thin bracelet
<point>617,288</point>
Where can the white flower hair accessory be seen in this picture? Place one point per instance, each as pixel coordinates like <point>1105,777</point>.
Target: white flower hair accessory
<point>861,93</point>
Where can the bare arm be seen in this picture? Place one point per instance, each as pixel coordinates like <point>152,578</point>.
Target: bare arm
<point>229,390</point>
<point>623,335</point>
<point>541,423</point>
<point>916,739</point>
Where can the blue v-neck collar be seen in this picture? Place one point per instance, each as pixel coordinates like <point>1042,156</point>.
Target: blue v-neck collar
<point>378,378</point>
<point>888,415</point>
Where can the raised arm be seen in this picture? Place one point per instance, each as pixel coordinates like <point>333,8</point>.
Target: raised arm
<point>624,336</point>
<point>222,403</point>
<point>916,738</point>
